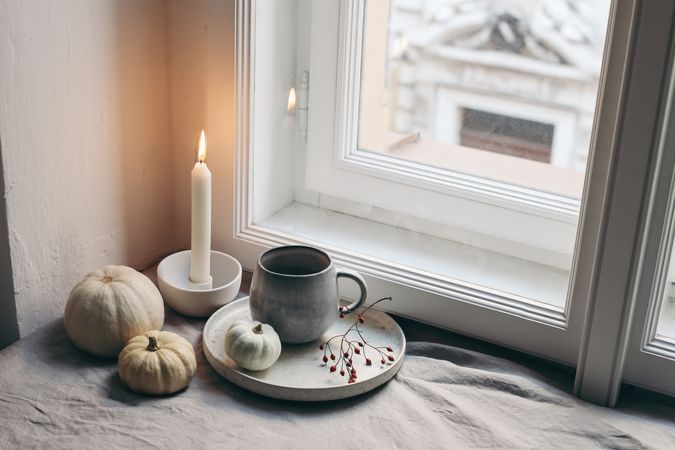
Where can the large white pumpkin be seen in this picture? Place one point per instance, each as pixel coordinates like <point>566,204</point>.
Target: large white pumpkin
<point>109,307</point>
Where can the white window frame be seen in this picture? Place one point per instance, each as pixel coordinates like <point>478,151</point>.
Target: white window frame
<point>515,214</point>
<point>605,247</point>
<point>650,358</point>
<point>633,140</point>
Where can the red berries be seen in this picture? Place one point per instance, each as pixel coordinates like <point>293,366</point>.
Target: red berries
<point>341,348</point>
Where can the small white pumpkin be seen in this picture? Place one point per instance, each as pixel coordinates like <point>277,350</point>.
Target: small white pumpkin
<point>252,345</point>
<point>109,307</point>
<point>157,363</point>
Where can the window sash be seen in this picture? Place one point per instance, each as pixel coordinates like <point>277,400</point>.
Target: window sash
<point>514,214</point>
<point>650,358</point>
<point>612,240</point>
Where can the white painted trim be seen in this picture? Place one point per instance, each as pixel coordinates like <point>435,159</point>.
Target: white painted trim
<point>431,282</point>
<point>623,142</point>
<point>521,199</point>
<point>650,359</point>
<point>348,77</point>
<point>244,68</point>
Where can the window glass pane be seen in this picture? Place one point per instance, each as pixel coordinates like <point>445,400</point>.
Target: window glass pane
<point>513,77</point>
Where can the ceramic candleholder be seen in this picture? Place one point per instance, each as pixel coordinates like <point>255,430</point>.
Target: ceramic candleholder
<point>173,276</point>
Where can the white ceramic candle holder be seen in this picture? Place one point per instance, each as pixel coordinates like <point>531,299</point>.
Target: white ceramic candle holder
<point>173,276</point>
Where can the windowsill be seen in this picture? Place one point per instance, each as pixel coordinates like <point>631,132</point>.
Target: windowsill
<point>443,258</point>
<point>559,375</point>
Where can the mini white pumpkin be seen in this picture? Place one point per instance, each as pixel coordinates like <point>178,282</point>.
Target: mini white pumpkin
<point>252,345</point>
<point>109,307</point>
<point>157,363</point>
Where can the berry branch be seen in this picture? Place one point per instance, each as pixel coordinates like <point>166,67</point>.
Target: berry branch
<point>341,356</point>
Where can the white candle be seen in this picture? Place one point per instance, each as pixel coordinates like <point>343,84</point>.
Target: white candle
<point>200,264</point>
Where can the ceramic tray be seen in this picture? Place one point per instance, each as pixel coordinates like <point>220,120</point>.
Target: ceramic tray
<point>300,374</point>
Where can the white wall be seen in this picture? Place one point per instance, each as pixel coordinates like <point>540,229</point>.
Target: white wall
<point>85,138</point>
<point>187,69</point>
<point>201,70</point>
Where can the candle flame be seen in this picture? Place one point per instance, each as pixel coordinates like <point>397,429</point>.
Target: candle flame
<point>291,100</point>
<point>201,154</point>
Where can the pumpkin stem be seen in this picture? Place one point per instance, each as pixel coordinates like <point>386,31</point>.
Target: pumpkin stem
<point>258,329</point>
<point>152,345</point>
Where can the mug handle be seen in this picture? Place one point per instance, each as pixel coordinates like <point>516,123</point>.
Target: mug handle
<point>358,279</point>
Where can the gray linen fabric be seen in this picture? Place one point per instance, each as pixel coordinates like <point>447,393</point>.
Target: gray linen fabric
<point>54,396</point>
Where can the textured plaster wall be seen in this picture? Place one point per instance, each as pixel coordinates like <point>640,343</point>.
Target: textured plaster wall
<point>85,136</point>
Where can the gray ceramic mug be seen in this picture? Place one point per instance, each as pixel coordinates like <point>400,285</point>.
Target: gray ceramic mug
<point>295,289</point>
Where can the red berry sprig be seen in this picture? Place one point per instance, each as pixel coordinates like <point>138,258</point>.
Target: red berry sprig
<point>343,355</point>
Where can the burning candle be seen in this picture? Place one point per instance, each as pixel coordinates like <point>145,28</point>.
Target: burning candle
<point>200,263</point>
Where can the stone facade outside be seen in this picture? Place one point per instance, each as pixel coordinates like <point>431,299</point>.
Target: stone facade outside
<point>532,66</point>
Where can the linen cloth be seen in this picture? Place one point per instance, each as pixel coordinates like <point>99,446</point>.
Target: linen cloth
<point>55,396</point>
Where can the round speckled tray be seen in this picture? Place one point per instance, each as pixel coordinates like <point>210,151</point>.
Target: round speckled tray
<point>300,373</point>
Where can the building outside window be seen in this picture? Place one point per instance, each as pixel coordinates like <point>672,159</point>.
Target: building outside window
<point>528,54</point>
